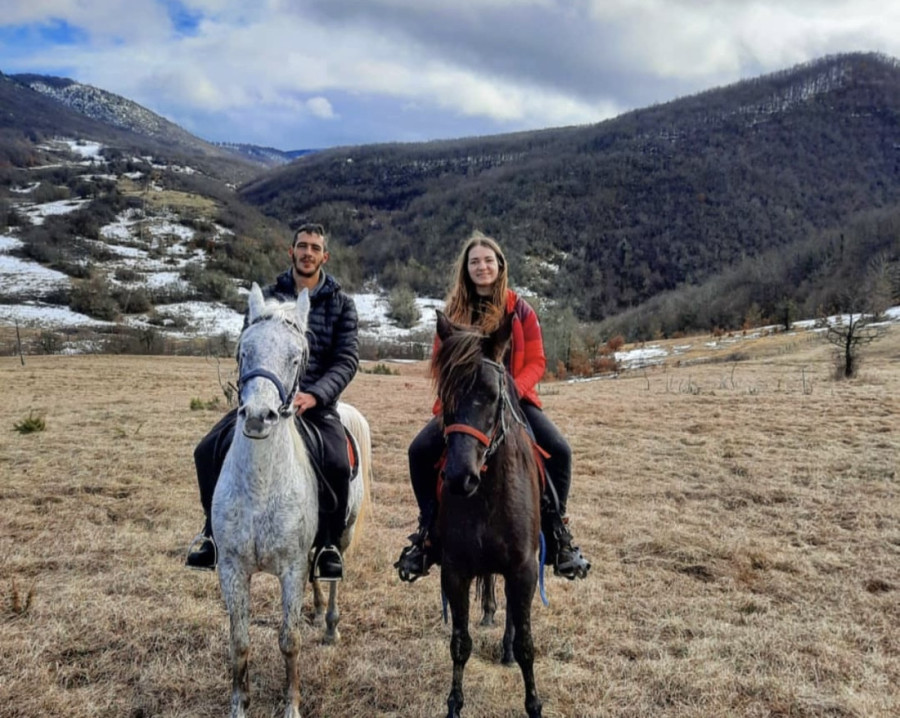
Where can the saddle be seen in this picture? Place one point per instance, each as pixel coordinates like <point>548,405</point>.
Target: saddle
<point>312,438</point>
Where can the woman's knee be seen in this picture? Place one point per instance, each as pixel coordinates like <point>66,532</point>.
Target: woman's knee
<point>425,443</point>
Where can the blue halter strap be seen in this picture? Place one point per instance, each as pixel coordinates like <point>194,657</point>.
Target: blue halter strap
<point>286,397</point>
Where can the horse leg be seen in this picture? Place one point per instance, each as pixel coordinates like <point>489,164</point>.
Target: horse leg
<point>487,586</point>
<point>289,637</point>
<point>319,603</point>
<point>456,589</point>
<point>508,636</point>
<point>236,590</point>
<point>519,596</point>
<point>332,616</point>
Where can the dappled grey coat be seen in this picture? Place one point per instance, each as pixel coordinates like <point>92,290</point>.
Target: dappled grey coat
<point>332,335</point>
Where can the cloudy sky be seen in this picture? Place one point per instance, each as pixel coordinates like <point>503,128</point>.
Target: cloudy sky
<point>296,74</point>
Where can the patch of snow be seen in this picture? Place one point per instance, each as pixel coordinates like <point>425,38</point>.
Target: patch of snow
<point>372,309</point>
<point>38,212</point>
<point>166,229</point>
<point>637,358</point>
<point>48,316</point>
<point>117,230</point>
<point>119,250</point>
<point>20,276</point>
<point>84,148</point>
<point>199,318</point>
<point>7,243</point>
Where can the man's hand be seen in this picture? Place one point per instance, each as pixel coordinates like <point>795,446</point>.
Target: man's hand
<point>304,401</point>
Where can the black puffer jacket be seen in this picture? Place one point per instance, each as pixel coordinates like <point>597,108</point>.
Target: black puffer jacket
<point>332,335</point>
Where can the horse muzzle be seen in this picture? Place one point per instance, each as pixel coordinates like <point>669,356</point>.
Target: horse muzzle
<point>258,426</point>
<point>463,484</point>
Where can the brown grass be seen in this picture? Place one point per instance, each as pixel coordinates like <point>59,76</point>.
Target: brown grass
<point>743,521</point>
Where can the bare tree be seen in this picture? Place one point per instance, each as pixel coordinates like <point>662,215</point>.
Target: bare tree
<point>848,336</point>
<point>880,283</point>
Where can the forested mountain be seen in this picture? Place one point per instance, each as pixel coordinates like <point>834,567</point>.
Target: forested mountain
<point>35,108</point>
<point>742,205</point>
<point>790,167</point>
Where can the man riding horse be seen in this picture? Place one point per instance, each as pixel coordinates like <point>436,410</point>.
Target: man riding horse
<point>333,361</point>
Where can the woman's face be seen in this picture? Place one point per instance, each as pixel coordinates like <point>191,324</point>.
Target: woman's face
<point>483,268</point>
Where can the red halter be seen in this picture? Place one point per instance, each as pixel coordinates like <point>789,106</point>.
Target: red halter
<point>466,429</point>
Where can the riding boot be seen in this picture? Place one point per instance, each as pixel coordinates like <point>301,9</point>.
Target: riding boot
<point>202,553</point>
<point>423,551</point>
<point>566,558</point>
<point>328,564</point>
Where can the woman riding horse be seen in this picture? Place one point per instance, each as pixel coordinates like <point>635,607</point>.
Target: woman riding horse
<point>481,298</point>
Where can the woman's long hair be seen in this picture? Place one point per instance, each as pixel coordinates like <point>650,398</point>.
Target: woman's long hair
<point>462,300</point>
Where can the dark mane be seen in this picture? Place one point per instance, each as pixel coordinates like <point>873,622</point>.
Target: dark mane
<point>455,364</point>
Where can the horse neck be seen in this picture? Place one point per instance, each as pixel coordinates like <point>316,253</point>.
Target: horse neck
<point>269,458</point>
<point>508,472</point>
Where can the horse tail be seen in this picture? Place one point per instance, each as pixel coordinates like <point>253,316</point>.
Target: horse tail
<point>358,426</point>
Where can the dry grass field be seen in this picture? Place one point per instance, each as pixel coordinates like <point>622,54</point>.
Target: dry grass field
<point>743,520</point>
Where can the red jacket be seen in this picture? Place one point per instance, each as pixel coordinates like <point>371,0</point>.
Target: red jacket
<point>525,358</point>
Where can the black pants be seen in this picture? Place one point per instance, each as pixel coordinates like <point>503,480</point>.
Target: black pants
<point>209,455</point>
<point>425,452</point>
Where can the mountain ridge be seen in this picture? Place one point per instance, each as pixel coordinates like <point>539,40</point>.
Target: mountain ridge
<point>120,112</point>
<point>656,199</point>
<point>774,190</point>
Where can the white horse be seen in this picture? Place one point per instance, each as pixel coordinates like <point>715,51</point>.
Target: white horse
<point>265,507</point>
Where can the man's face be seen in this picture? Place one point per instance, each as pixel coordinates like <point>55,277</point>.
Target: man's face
<point>308,254</point>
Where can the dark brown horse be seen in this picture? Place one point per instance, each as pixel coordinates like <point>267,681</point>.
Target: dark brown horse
<point>489,515</point>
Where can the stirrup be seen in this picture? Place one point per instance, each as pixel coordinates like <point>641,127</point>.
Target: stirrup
<point>329,569</point>
<point>573,566</point>
<point>413,562</point>
<point>203,554</point>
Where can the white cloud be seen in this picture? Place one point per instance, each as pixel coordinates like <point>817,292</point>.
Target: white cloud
<point>508,64</point>
<point>320,107</point>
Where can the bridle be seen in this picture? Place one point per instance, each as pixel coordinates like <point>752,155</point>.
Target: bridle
<point>286,396</point>
<point>501,425</point>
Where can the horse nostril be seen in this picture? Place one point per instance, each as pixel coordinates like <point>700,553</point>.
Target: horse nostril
<point>271,417</point>
<point>242,412</point>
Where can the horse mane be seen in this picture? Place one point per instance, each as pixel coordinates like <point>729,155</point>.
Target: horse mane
<point>455,364</point>
<point>275,308</point>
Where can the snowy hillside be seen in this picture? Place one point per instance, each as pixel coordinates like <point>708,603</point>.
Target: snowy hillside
<point>151,249</point>
<point>143,249</point>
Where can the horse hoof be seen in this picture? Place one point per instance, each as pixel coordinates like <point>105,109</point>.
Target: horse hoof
<point>331,637</point>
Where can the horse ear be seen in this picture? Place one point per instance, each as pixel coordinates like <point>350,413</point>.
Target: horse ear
<point>255,303</point>
<point>303,308</point>
<point>495,343</point>
<point>444,325</point>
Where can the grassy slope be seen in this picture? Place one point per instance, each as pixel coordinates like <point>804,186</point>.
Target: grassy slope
<point>743,521</point>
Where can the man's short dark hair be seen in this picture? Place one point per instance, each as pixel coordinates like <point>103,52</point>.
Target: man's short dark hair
<point>311,228</point>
